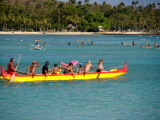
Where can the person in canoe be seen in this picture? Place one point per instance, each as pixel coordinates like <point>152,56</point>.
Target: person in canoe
<point>55,69</point>
<point>32,68</point>
<point>80,70</point>
<point>100,67</point>
<point>11,66</point>
<point>68,69</point>
<point>88,66</point>
<point>45,68</point>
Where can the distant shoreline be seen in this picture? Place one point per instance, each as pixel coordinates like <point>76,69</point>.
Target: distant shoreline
<point>80,33</point>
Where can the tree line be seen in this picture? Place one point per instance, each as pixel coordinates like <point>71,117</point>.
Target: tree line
<point>47,15</point>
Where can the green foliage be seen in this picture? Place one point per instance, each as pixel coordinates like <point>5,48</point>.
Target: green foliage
<point>33,15</point>
<point>119,19</point>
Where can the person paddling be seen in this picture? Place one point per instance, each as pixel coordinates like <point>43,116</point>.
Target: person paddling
<point>32,68</point>
<point>80,69</point>
<point>100,67</point>
<point>55,69</point>
<point>68,69</point>
<point>11,66</point>
<point>88,66</point>
<point>45,68</point>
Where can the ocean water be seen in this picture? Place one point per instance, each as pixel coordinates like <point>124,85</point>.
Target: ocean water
<point>133,96</point>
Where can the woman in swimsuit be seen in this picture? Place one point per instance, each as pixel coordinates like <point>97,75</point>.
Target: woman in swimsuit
<point>68,69</point>
<point>80,70</point>
<point>100,67</point>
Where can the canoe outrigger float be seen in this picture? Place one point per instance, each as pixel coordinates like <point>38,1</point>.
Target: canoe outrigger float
<point>59,77</point>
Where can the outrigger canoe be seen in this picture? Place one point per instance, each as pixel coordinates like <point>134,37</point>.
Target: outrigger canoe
<point>59,77</point>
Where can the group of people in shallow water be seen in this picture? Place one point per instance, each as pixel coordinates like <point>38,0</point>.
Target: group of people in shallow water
<point>82,43</point>
<point>148,46</point>
<point>155,45</point>
<point>37,44</point>
<point>55,70</point>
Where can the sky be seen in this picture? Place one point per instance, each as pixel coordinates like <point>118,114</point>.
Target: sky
<point>116,2</point>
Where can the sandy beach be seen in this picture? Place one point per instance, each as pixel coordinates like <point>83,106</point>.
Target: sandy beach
<point>84,33</point>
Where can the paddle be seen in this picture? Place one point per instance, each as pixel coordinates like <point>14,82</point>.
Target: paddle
<point>12,79</point>
<point>38,67</point>
<point>75,73</point>
<point>47,75</point>
<point>52,72</point>
<point>21,72</point>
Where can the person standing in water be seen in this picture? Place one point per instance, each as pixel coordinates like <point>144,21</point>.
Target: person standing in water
<point>91,43</point>
<point>82,43</point>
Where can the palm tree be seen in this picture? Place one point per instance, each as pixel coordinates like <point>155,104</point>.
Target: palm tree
<point>133,3</point>
<point>95,3</point>
<point>137,2</point>
<point>158,4</point>
<point>154,5</point>
<point>140,8</point>
<point>72,2</point>
<point>3,20</point>
<point>86,1</point>
<point>121,4</point>
<point>104,3</point>
<point>79,3</point>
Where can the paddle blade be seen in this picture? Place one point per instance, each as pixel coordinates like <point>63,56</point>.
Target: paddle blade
<point>12,79</point>
<point>114,69</point>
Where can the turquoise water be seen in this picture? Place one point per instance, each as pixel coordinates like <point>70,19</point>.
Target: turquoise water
<point>133,96</point>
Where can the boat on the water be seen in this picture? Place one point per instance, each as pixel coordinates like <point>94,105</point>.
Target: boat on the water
<point>59,77</point>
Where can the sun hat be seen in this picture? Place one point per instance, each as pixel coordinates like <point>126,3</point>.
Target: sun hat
<point>33,62</point>
<point>47,62</point>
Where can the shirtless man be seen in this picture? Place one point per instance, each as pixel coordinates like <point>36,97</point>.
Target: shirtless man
<point>88,66</point>
<point>33,68</point>
<point>55,69</point>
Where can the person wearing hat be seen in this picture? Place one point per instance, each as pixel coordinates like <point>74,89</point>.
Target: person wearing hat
<point>11,66</point>
<point>45,68</point>
<point>32,68</point>
<point>88,66</point>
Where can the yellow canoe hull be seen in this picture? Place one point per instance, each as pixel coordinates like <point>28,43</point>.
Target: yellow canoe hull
<point>63,77</point>
<point>60,77</point>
